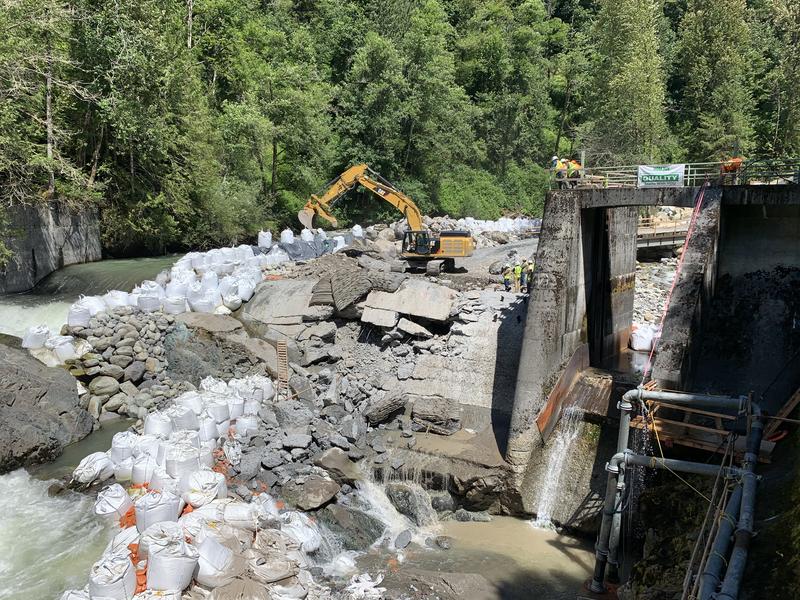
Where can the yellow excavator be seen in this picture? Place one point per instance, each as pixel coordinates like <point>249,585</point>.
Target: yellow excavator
<point>421,247</point>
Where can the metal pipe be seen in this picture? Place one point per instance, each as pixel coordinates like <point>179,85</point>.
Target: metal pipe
<point>744,528</point>
<point>711,576</point>
<point>601,547</point>
<point>682,466</point>
<point>616,527</point>
<point>707,400</point>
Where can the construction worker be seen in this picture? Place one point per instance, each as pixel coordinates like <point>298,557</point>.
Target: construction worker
<point>523,276</point>
<point>517,275</point>
<point>530,274</point>
<point>508,276</point>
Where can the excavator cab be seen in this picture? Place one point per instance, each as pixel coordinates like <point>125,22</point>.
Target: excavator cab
<point>418,242</point>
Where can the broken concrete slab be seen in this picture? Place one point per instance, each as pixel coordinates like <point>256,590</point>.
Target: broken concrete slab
<point>283,301</point>
<point>379,317</point>
<point>417,298</point>
<point>412,328</point>
<point>324,330</point>
<point>209,322</point>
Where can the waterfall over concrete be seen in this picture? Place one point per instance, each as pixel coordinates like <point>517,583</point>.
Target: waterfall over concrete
<point>557,452</point>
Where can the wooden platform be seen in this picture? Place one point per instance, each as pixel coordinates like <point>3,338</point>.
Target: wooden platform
<point>696,428</point>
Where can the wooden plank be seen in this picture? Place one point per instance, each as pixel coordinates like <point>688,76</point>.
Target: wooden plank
<point>784,412</point>
<point>688,409</point>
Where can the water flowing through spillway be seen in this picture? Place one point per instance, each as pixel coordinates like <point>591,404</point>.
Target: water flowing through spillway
<point>47,544</point>
<point>568,430</point>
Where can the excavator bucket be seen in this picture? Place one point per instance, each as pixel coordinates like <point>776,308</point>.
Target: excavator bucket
<point>306,217</point>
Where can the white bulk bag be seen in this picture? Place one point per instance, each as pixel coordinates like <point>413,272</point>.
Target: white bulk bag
<point>206,303</point>
<point>182,460</point>
<point>199,260</point>
<point>300,528</point>
<point>171,568</point>
<point>151,288</point>
<point>143,468</point>
<point>160,536</point>
<point>208,428</point>
<point>113,501</point>
<point>251,407</point>
<point>223,427</point>
<point>226,268</point>
<point>235,406</point>
<point>162,278</point>
<point>277,256</point>
<point>172,305</point>
<point>63,347</point>
<point>95,304</point>
<point>357,231</point>
<point>642,337</point>
<point>228,253</point>
<point>114,577</point>
<point>149,303</point>
<point>207,453</point>
<point>212,384</point>
<point>287,236</point>
<point>163,482</point>
<point>186,436</point>
<point>177,288</point>
<point>191,400</point>
<point>194,291</point>
<point>247,288</point>
<point>243,252</point>
<point>201,487</point>
<point>321,234</point>
<point>123,470</point>
<point>122,445</point>
<point>247,424</point>
<point>270,566</point>
<point>267,389</point>
<point>158,424</point>
<point>218,408</point>
<point>210,281</point>
<point>35,336</point>
<point>265,239</point>
<point>226,284</point>
<point>95,467</point>
<point>182,417</point>
<point>116,299</point>
<point>215,566</point>
<point>340,243</point>
<point>120,542</point>
<point>241,515</point>
<point>155,507</point>
<point>232,302</point>
<point>306,235</point>
<point>146,444</point>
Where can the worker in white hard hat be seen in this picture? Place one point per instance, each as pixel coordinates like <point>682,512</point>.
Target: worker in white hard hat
<point>508,276</point>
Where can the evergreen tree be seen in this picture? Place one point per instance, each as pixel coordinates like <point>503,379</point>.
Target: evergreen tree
<point>627,107</point>
<point>715,100</point>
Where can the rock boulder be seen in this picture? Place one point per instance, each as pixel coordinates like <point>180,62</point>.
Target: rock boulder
<point>40,412</point>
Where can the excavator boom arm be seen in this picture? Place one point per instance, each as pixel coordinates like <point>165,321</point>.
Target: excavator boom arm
<point>359,174</point>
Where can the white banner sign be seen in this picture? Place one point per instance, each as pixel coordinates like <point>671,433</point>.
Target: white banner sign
<point>661,175</point>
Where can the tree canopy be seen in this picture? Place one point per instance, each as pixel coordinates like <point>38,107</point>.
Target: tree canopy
<point>193,123</point>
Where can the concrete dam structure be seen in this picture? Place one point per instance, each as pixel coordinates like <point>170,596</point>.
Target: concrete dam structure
<point>732,326</point>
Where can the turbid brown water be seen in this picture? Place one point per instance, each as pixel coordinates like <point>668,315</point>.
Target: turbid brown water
<point>515,560</point>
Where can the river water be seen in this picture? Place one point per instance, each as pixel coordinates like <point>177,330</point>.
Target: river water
<point>48,544</point>
<point>49,302</point>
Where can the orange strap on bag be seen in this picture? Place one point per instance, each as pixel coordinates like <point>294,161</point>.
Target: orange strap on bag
<point>128,519</point>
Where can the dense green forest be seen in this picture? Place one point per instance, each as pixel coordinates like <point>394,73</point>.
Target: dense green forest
<point>197,122</point>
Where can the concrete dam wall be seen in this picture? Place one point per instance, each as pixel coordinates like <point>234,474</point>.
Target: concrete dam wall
<point>738,288</point>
